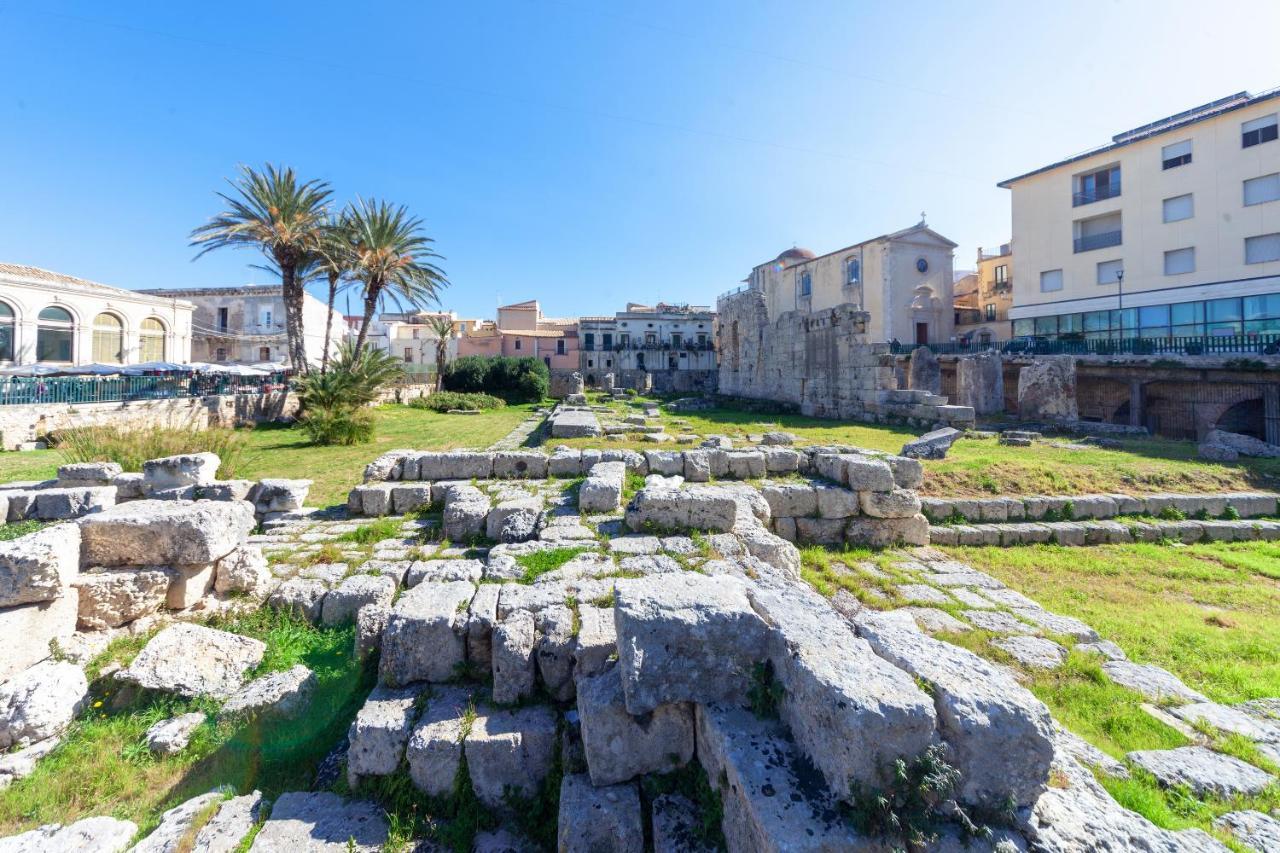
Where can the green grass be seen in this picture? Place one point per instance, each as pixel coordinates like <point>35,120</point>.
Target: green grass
<point>275,450</point>
<point>538,563</point>
<point>104,767</point>
<point>374,531</point>
<point>1209,613</point>
<point>19,528</point>
<point>983,467</point>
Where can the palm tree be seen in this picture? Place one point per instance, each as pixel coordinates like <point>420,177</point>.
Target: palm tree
<point>442,328</point>
<point>332,259</point>
<point>391,259</point>
<point>283,218</point>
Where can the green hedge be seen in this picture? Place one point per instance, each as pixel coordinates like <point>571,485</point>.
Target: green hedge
<point>516,380</point>
<point>444,401</point>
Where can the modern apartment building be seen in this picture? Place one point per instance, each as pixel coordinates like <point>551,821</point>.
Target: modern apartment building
<point>983,298</point>
<point>903,280</point>
<point>674,344</point>
<point>1171,229</point>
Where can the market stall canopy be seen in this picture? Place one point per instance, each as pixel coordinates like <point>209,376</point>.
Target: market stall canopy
<point>34,370</point>
<point>157,367</point>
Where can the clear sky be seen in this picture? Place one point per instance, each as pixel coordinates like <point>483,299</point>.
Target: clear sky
<point>581,153</point>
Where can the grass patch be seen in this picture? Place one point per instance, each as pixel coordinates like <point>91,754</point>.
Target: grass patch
<point>373,531</point>
<point>19,528</point>
<point>131,447</point>
<point>1209,613</point>
<point>538,563</point>
<point>104,766</point>
<point>1178,808</point>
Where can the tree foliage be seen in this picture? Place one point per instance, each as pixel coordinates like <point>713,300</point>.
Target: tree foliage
<point>335,401</point>
<point>516,380</point>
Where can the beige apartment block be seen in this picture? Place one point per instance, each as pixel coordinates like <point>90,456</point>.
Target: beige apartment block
<point>983,298</point>
<point>1171,229</point>
<point>904,280</point>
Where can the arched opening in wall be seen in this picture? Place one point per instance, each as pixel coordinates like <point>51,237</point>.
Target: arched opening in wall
<point>151,340</point>
<point>1245,417</point>
<point>6,332</point>
<point>108,339</point>
<point>55,335</point>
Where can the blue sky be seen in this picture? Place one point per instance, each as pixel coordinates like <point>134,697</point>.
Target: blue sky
<point>582,153</point>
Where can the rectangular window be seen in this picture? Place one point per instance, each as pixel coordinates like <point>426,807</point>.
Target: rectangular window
<point>1046,325</point>
<point>1177,154</point>
<point>1179,261</point>
<point>1002,273</point>
<point>264,353</point>
<point>1109,272</point>
<point>1262,190</point>
<point>560,346</point>
<point>1098,232</point>
<point>1097,321</point>
<point>1070,323</point>
<point>1262,249</point>
<point>675,340</point>
<point>220,354</point>
<point>408,355</point>
<point>1025,327</point>
<point>606,340</point>
<point>1258,131</point>
<point>222,319</point>
<point>989,311</point>
<point>1154,316</point>
<point>1179,207</point>
<point>1184,313</point>
<point>1096,186</point>
<point>518,344</point>
<point>1222,310</point>
<point>589,341</point>
<point>264,317</point>
<point>1262,307</point>
<point>1050,280</point>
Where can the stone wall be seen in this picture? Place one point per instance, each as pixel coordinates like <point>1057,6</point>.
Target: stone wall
<point>21,424</point>
<point>821,362</point>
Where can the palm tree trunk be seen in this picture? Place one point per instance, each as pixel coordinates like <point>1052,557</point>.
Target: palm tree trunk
<point>441,355</point>
<point>328,321</point>
<point>370,305</point>
<point>291,293</point>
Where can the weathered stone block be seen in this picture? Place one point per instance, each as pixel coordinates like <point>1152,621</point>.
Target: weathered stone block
<point>40,565</point>
<point>164,532</point>
<point>510,749</point>
<point>425,635</point>
<point>593,819</point>
<point>380,731</point>
<point>620,746</point>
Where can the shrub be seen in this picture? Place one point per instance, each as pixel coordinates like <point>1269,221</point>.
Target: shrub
<point>516,380</point>
<point>1171,513</point>
<point>334,401</point>
<point>130,448</point>
<point>444,401</point>
<point>338,426</point>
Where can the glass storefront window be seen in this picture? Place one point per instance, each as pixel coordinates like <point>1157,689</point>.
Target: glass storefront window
<point>1126,321</point>
<point>1262,327</point>
<point>1047,325</point>
<point>1070,323</point>
<point>1022,328</point>
<point>1189,330</point>
<point>1187,312</point>
<point>1097,321</point>
<point>1262,307</point>
<point>1219,330</point>
<point>1223,310</point>
<point>1153,316</point>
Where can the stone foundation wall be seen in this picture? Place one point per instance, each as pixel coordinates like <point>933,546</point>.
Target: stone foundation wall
<point>21,424</point>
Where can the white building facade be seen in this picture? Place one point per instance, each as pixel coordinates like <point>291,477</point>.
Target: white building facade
<point>674,344</point>
<point>1170,230</point>
<point>51,318</point>
<point>246,325</point>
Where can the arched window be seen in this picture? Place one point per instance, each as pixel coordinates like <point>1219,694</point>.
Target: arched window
<point>853,271</point>
<point>6,332</point>
<point>55,335</point>
<point>151,340</point>
<point>108,339</point>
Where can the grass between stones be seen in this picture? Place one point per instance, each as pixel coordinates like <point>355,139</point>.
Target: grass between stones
<point>19,528</point>
<point>275,450</point>
<point>1209,613</point>
<point>104,766</point>
<point>538,563</point>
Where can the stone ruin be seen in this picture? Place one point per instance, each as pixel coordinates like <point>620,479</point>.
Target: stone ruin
<point>822,363</point>
<point>678,635</point>
<point>84,488</point>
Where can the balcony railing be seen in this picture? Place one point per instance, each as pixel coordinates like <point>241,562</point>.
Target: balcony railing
<point>1098,241</point>
<point>1098,193</point>
<point>687,346</point>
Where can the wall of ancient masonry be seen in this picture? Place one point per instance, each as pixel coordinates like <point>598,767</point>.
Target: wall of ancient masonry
<point>21,424</point>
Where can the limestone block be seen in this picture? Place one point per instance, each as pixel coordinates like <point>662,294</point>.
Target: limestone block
<point>244,570</point>
<point>553,651</point>
<point>790,499</point>
<point>694,508</point>
<point>602,490</point>
<point>40,565</point>
<point>594,819</point>
<point>188,584</point>
<point>111,598</point>
<point>835,502</point>
<point>410,497</point>
<point>192,660</point>
<point>279,495</point>
<point>924,373</point>
<point>425,635</point>
<point>88,473</point>
<point>434,751</point>
<point>466,510</point>
<point>564,462</point>
<point>166,532</point>
<point>321,822</point>
<point>279,695</point>
<point>171,472</point>
<point>510,749</point>
<point>668,463</point>
<point>685,638</point>
<point>620,747</point>
<point>482,616</point>
<point>514,672</point>
<point>745,464</point>
<point>1047,389</point>
<point>302,596</point>
<point>597,640</point>
<point>345,600</point>
<point>380,731</point>
<point>514,520</point>
<point>40,703</point>
<point>171,736</point>
<point>524,464</point>
<point>454,465</point>
<point>898,503</point>
<point>887,532</point>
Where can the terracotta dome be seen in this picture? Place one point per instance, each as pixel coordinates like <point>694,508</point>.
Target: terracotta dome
<point>796,254</point>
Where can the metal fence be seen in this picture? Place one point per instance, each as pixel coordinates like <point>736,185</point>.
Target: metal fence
<point>1195,345</point>
<point>31,390</point>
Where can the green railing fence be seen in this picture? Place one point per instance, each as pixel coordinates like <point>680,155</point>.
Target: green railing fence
<point>30,390</point>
